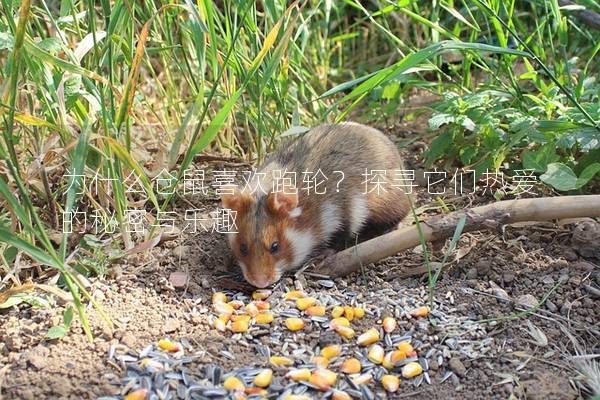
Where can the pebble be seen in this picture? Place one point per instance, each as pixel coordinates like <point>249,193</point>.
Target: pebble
<point>527,301</point>
<point>508,277</point>
<point>457,367</point>
<point>171,325</point>
<point>472,273</point>
<point>551,306</point>
<point>483,267</point>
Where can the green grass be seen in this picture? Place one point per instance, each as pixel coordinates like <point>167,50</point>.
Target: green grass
<point>85,85</point>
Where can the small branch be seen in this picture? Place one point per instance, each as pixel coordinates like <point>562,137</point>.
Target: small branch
<point>479,218</point>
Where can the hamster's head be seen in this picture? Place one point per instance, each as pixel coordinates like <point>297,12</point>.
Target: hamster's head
<point>261,241</point>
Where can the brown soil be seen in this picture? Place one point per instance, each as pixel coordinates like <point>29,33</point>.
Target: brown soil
<point>536,260</point>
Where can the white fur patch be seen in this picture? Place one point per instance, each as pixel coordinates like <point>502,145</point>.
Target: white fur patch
<point>331,219</point>
<point>359,212</point>
<point>303,243</point>
<point>231,237</point>
<point>296,212</point>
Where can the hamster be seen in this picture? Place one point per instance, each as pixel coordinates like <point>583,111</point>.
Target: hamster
<point>279,228</point>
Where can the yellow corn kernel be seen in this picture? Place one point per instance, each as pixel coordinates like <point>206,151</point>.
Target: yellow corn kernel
<point>349,313</point>
<point>256,391</point>
<point>315,311</point>
<point>359,312</point>
<point>219,325</point>
<point>392,358</point>
<point>297,375</point>
<point>294,324</point>
<point>320,361</point>
<point>345,332</point>
<point>222,308</point>
<point>376,354</point>
<point>252,310</point>
<point>420,312</point>
<point>240,317</point>
<point>264,377</point>
<point>351,366</point>
<point>236,304</point>
<point>240,326</point>
<point>337,311</point>
<point>340,395</point>
<point>363,379</point>
<point>329,375</point>
<point>389,324</point>
<point>369,337</point>
<point>167,345</point>
<point>263,318</point>
<point>406,348</point>
<point>219,297</point>
<point>319,381</point>
<point>234,384</point>
<point>139,394</point>
<point>225,317</point>
<point>332,351</point>
<point>305,302</point>
<point>261,294</point>
<point>281,361</point>
<point>340,321</point>
<point>412,369</point>
<point>391,383</point>
<point>294,295</point>
<point>262,305</point>
<point>297,397</point>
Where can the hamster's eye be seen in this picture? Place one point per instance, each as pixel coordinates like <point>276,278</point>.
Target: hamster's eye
<point>244,249</point>
<point>274,247</point>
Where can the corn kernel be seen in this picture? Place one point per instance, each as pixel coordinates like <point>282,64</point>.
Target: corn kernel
<point>351,366</point>
<point>263,318</point>
<point>363,379</point>
<point>294,295</point>
<point>320,361</point>
<point>240,326</point>
<point>234,384</point>
<point>252,310</point>
<point>390,383</point>
<point>345,332</point>
<point>376,354</point>
<point>296,397</point>
<point>261,294</point>
<point>256,391</point>
<point>315,311</point>
<point>225,317</point>
<point>219,325</point>
<point>329,375</point>
<point>236,304</point>
<point>305,302</point>
<point>262,305</point>
<point>420,312</point>
<point>139,394</point>
<point>359,312</point>
<point>297,375</point>
<point>219,297</point>
<point>294,324</point>
<point>406,348</point>
<point>389,324</point>
<point>412,369</point>
<point>319,381</point>
<point>349,313</point>
<point>392,358</point>
<point>240,317</point>
<point>340,395</point>
<point>222,308</point>
<point>264,377</point>
<point>369,337</point>
<point>337,311</point>
<point>167,345</point>
<point>332,351</point>
<point>340,321</point>
<point>281,361</point>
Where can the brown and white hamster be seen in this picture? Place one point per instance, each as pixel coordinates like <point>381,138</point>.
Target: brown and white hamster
<point>280,230</point>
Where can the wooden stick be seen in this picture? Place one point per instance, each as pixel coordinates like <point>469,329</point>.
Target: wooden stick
<point>479,218</point>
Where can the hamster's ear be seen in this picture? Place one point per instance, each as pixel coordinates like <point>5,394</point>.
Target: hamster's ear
<point>282,203</point>
<point>237,201</point>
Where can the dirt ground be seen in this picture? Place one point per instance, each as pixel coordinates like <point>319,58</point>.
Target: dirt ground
<point>494,276</point>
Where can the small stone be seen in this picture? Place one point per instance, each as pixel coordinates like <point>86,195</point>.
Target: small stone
<point>457,367</point>
<point>551,306</point>
<point>483,267</point>
<point>129,340</point>
<point>548,280</point>
<point>508,277</point>
<point>527,301</point>
<point>472,273</point>
<point>180,252</point>
<point>205,283</point>
<point>171,325</point>
<point>178,279</point>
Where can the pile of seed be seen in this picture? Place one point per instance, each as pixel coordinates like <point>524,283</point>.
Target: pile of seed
<point>320,345</point>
